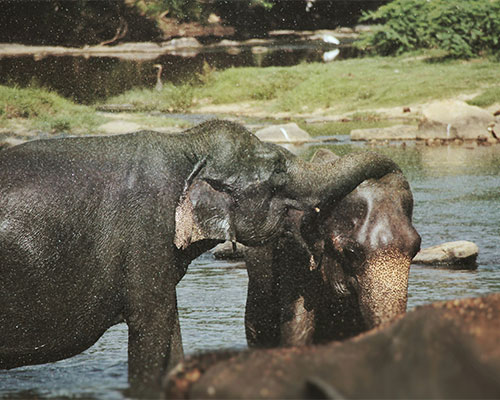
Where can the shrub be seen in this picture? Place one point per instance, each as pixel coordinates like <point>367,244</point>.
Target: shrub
<point>464,29</point>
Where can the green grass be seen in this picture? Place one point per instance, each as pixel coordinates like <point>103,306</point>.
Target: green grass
<point>353,87</point>
<point>38,109</point>
<point>170,99</point>
<point>487,98</point>
<point>349,85</point>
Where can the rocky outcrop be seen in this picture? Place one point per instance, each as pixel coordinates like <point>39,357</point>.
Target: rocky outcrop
<point>453,119</point>
<point>457,255</point>
<point>443,350</point>
<point>446,120</point>
<point>285,133</point>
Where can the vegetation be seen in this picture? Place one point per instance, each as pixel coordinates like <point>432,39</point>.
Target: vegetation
<point>464,29</point>
<point>171,98</point>
<point>487,98</point>
<point>355,87</point>
<point>39,109</point>
<point>349,85</point>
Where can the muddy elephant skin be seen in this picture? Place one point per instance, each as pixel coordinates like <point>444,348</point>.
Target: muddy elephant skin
<point>445,350</point>
<point>354,278</point>
<point>99,230</point>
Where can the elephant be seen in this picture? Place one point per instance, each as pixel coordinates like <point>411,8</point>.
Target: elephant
<point>336,273</point>
<point>98,230</point>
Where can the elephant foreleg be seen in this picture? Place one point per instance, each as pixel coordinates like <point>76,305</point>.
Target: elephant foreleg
<point>154,345</point>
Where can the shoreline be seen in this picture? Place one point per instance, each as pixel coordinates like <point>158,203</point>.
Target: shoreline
<point>182,46</point>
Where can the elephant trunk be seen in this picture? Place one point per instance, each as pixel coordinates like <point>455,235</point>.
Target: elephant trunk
<point>326,182</point>
<point>383,286</point>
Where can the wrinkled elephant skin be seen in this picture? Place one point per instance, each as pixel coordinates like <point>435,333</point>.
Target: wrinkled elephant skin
<point>99,230</point>
<point>354,278</point>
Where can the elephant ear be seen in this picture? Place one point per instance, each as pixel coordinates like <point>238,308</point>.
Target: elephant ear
<point>203,213</point>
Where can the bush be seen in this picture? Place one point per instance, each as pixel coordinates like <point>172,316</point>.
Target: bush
<point>463,29</point>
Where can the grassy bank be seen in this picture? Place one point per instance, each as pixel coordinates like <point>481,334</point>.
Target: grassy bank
<point>39,110</point>
<point>358,87</point>
<point>340,87</point>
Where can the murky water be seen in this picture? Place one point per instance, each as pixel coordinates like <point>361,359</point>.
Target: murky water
<point>90,79</point>
<point>457,196</point>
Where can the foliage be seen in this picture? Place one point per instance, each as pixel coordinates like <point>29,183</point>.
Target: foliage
<point>464,29</point>
<point>45,110</point>
<point>183,10</point>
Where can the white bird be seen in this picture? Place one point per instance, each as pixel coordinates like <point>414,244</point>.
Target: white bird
<point>330,55</point>
<point>330,39</point>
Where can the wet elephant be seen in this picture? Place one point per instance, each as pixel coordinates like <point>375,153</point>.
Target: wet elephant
<point>335,272</point>
<point>99,230</point>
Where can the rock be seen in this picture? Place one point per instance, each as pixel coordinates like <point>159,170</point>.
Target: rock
<point>457,255</point>
<point>451,119</point>
<point>396,132</point>
<point>442,350</point>
<point>225,251</point>
<point>286,133</point>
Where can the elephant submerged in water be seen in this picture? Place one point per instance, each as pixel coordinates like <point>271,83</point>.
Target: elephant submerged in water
<point>99,230</point>
<point>336,272</point>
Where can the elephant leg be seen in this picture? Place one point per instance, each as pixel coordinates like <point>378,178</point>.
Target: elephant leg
<point>154,344</point>
<point>176,348</point>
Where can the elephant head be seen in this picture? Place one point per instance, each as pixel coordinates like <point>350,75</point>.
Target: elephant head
<point>339,270</point>
<point>241,188</point>
<point>106,226</point>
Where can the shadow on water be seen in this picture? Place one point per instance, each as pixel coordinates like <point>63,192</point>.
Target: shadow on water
<point>456,197</point>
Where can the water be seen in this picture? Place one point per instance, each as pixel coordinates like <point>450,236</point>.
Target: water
<point>457,196</point>
<point>90,79</point>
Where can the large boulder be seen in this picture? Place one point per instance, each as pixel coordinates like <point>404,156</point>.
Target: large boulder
<point>453,119</point>
<point>457,255</point>
<point>443,350</point>
<point>284,133</point>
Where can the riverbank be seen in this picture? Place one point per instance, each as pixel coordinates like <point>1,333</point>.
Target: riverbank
<point>346,95</point>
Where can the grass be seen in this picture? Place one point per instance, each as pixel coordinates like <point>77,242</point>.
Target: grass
<point>39,109</point>
<point>170,99</point>
<point>487,98</point>
<point>349,85</point>
<point>355,87</point>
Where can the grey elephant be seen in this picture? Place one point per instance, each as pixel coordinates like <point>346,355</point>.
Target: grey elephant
<point>99,230</point>
<point>337,272</point>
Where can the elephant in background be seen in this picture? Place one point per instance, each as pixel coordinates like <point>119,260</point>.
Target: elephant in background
<point>99,230</point>
<point>335,272</point>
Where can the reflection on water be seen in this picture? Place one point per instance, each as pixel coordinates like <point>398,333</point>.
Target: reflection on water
<point>457,196</point>
<point>90,79</point>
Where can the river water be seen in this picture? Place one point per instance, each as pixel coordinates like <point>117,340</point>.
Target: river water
<point>457,196</point>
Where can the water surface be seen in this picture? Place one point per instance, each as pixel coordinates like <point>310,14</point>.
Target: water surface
<point>457,197</point>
